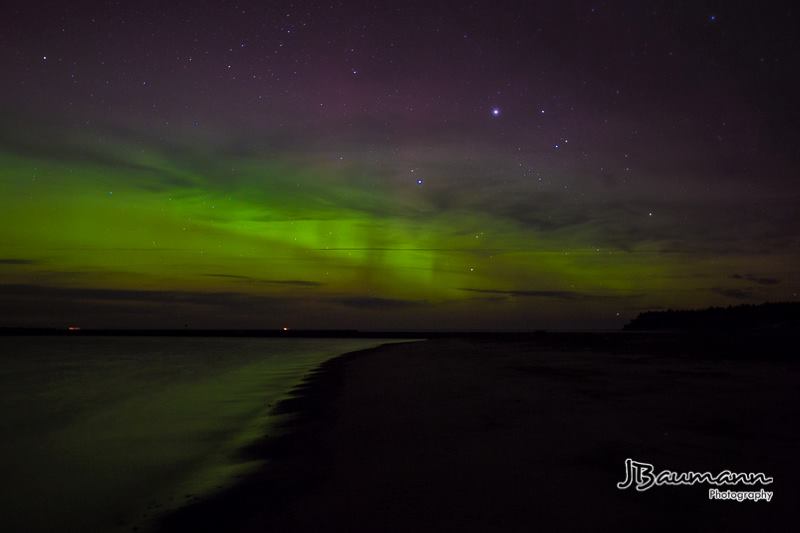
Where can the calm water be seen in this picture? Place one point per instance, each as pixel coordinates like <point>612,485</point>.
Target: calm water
<point>101,434</point>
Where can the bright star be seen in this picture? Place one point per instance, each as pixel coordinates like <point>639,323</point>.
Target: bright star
<point>495,111</point>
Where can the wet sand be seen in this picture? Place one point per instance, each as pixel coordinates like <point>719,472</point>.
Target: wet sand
<point>521,435</point>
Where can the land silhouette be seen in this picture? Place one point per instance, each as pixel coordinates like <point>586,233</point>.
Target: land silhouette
<point>771,316</point>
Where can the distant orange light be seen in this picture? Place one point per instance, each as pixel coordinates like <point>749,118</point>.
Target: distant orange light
<point>285,328</point>
<point>73,328</point>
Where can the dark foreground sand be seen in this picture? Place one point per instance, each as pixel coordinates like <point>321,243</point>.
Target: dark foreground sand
<point>525,435</point>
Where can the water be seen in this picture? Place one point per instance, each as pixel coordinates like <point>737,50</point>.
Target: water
<point>102,434</point>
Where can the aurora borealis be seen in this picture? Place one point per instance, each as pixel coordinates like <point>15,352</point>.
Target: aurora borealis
<point>407,166</point>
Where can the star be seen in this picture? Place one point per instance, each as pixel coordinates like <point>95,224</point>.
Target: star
<point>420,181</point>
<point>495,111</point>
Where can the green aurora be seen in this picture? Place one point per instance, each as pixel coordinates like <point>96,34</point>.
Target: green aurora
<point>182,237</point>
<point>380,166</point>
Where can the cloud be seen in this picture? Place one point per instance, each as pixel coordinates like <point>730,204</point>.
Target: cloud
<point>16,261</point>
<point>369,302</point>
<point>290,282</point>
<point>736,294</point>
<point>756,279</point>
<point>557,295</point>
<point>47,293</point>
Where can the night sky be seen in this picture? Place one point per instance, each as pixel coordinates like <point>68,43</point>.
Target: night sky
<point>436,165</point>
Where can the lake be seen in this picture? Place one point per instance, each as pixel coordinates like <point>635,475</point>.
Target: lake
<point>105,433</point>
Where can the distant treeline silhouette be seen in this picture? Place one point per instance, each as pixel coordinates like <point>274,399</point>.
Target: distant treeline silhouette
<point>780,315</point>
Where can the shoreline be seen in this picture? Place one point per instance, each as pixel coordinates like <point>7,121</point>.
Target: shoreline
<point>512,436</point>
<point>286,472</point>
<point>110,434</point>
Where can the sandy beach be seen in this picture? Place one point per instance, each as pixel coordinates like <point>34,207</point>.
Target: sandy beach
<point>520,435</point>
